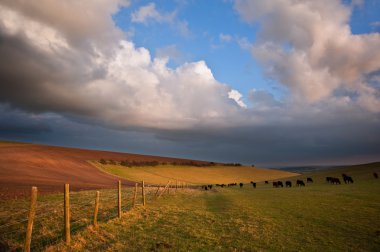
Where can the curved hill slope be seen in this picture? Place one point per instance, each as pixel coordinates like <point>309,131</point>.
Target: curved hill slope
<point>49,167</point>
<point>217,174</point>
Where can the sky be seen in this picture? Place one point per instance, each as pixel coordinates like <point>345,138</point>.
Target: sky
<point>270,83</point>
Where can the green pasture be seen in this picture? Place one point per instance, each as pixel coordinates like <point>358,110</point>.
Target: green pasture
<point>318,217</point>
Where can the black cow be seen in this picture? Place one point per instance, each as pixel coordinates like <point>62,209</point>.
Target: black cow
<point>254,184</point>
<point>266,182</point>
<point>335,181</point>
<point>279,183</point>
<point>375,175</point>
<point>275,184</point>
<point>241,185</point>
<point>210,187</point>
<point>329,179</point>
<point>309,180</point>
<point>288,184</point>
<point>300,183</point>
<point>347,179</point>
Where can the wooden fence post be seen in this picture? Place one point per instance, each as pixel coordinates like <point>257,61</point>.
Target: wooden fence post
<point>32,213</point>
<point>143,192</point>
<point>119,198</point>
<point>67,213</point>
<point>96,209</point>
<point>135,196</point>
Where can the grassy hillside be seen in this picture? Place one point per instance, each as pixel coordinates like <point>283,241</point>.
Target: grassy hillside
<point>318,217</point>
<point>196,175</point>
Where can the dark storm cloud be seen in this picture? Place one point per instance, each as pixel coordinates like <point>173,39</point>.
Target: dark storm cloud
<point>18,124</point>
<point>29,79</point>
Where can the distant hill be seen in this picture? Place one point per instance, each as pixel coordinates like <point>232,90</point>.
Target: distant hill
<point>358,168</point>
<point>303,169</point>
<point>49,167</point>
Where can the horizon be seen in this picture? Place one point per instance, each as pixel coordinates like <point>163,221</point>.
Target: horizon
<point>275,84</point>
<point>277,166</point>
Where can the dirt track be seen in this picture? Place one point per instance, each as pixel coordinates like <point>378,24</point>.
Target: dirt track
<point>49,167</point>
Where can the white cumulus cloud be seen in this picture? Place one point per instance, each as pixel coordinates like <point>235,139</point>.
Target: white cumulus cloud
<point>236,96</point>
<point>308,47</point>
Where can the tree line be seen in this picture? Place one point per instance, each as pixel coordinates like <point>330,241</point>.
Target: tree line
<point>134,163</point>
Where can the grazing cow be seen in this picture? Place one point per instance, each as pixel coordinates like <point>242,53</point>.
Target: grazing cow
<point>266,182</point>
<point>241,185</point>
<point>375,175</point>
<point>206,188</point>
<point>222,185</point>
<point>279,183</point>
<point>300,183</point>
<point>275,184</point>
<point>288,184</point>
<point>254,184</point>
<point>347,179</point>
<point>309,180</point>
<point>329,179</point>
<point>335,181</point>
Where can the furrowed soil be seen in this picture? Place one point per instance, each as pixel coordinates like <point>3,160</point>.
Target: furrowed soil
<point>49,167</point>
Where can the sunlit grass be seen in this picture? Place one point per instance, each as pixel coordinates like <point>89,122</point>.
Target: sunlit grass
<point>194,175</point>
<point>318,217</point>
<point>315,218</point>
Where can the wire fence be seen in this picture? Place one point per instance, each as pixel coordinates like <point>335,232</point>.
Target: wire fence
<point>48,225</point>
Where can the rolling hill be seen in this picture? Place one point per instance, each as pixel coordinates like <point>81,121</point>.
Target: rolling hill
<point>49,167</point>
<point>24,165</point>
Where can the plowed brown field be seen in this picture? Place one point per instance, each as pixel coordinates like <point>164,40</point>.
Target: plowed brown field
<point>49,167</point>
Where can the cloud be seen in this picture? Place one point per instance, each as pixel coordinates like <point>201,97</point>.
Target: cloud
<point>308,47</point>
<point>149,12</point>
<point>225,37</point>
<point>183,27</point>
<point>375,24</point>
<point>170,52</point>
<point>69,72</point>
<point>120,86</point>
<point>236,96</point>
<point>244,43</point>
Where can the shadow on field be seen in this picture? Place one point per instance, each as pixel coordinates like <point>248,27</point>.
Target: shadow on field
<point>218,202</point>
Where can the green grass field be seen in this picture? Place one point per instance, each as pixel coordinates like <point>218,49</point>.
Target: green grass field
<point>194,175</point>
<point>318,217</point>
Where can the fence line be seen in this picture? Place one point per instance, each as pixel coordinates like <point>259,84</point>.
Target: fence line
<point>41,225</point>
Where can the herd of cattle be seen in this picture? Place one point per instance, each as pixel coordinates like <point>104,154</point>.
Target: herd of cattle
<point>299,183</point>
